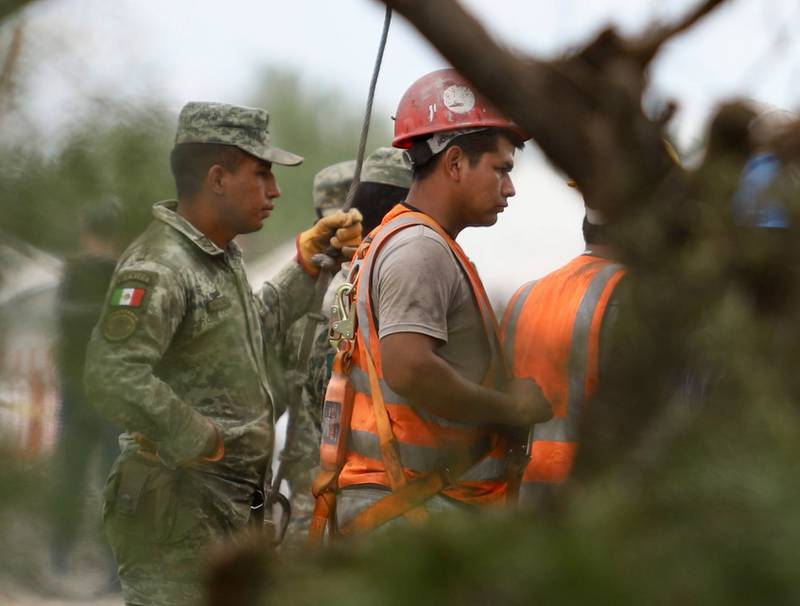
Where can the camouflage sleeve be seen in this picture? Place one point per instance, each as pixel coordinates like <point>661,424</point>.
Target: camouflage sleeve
<point>319,372</point>
<point>277,369</point>
<point>144,306</point>
<point>286,298</point>
<point>303,451</point>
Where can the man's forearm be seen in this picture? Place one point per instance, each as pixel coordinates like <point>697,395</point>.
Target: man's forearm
<point>439,389</point>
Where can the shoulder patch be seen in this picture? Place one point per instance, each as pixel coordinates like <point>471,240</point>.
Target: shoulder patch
<point>137,275</point>
<point>127,296</point>
<point>119,325</point>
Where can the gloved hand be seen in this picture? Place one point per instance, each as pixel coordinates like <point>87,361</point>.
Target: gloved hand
<point>213,450</point>
<point>341,230</point>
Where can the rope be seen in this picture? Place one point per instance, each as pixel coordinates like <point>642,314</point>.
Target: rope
<point>362,144</point>
<point>326,263</point>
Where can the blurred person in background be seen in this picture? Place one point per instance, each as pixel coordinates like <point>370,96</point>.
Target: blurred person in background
<point>83,432</point>
<point>765,212</point>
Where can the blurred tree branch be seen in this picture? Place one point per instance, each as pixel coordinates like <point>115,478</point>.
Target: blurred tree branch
<point>584,111</point>
<point>7,72</point>
<point>9,7</point>
<point>652,42</point>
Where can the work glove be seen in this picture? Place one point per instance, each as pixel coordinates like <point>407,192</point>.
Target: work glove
<point>341,230</point>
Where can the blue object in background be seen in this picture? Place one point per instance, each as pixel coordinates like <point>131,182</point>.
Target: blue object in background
<point>753,204</point>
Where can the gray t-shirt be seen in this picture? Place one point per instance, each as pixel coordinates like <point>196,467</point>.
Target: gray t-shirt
<point>419,286</point>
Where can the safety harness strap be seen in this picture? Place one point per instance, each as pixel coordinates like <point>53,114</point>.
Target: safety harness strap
<point>324,491</point>
<point>389,454</point>
<point>402,501</point>
<point>410,497</point>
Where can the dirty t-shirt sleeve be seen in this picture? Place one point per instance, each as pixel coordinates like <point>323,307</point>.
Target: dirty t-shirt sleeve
<point>414,284</point>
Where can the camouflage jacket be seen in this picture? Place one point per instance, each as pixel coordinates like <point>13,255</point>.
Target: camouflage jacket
<point>303,451</point>
<point>181,342</point>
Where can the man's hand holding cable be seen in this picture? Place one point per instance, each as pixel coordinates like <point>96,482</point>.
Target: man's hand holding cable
<point>341,230</point>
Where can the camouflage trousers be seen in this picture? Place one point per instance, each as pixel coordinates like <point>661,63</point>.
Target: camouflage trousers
<point>302,507</point>
<point>160,527</point>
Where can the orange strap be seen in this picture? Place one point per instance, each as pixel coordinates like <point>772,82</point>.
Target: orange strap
<point>405,499</point>
<point>402,501</point>
<point>389,454</point>
<point>324,491</point>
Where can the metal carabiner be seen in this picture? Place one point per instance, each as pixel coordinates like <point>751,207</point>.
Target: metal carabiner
<point>342,325</point>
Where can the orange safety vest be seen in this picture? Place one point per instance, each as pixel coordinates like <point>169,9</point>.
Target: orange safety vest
<point>425,443</point>
<point>551,334</point>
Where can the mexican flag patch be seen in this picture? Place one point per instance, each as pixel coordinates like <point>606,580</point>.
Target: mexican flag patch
<point>128,297</point>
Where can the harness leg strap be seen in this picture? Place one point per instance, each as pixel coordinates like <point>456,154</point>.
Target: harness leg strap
<point>401,501</point>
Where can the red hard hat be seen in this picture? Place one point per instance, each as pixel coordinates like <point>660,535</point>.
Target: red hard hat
<point>443,100</point>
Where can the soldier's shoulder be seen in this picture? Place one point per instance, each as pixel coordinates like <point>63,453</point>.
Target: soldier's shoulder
<point>150,261</point>
<point>159,248</point>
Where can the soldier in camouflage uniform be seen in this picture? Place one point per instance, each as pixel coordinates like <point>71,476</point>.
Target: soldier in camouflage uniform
<point>331,185</point>
<point>299,457</point>
<point>177,357</point>
<point>385,179</point>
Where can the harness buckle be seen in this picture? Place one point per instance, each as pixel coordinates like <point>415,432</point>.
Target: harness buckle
<point>343,320</point>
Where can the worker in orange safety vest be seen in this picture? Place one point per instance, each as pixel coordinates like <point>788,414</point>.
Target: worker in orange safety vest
<point>410,423</point>
<point>554,331</point>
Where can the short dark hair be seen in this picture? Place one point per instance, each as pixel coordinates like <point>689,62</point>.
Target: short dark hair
<point>374,200</point>
<point>102,220</point>
<point>594,234</point>
<point>190,163</point>
<point>474,145</point>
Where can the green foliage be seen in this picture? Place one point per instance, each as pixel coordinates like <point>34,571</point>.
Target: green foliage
<point>122,156</point>
<point>123,153</point>
<point>9,7</point>
<point>713,522</point>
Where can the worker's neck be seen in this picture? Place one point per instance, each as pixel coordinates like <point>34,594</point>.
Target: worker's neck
<point>600,250</point>
<point>199,211</point>
<point>436,200</point>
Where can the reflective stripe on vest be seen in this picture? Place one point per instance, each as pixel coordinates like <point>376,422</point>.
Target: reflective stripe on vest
<point>423,459</point>
<point>425,442</point>
<point>554,443</point>
<point>510,321</point>
<point>360,381</point>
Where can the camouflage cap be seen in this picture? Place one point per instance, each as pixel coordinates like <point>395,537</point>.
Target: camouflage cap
<point>389,166</point>
<point>331,185</point>
<point>244,127</point>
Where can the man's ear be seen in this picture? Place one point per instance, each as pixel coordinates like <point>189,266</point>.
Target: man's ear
<point>453,161</point>
<point>215,178</point>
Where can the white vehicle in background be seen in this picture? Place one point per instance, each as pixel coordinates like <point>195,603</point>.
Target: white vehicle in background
<point>29,391</point>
